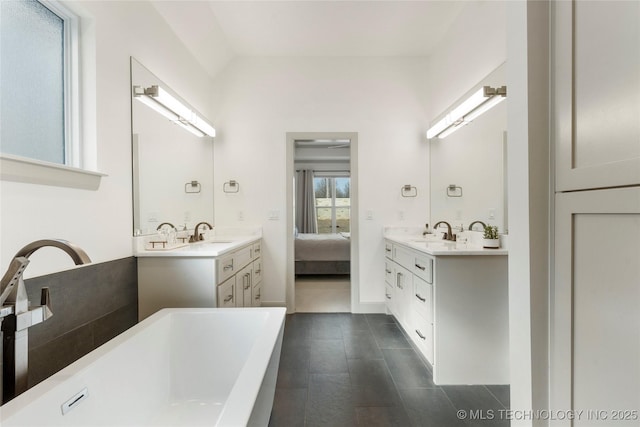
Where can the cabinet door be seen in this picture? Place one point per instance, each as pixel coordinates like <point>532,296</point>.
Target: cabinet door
<point>596,93</point>
<point>243,287</point>
<point>404,287</point>
<point>595,322</point>
<point>227,293</point>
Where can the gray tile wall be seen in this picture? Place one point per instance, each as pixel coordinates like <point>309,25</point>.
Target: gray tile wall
<point>91,304</point>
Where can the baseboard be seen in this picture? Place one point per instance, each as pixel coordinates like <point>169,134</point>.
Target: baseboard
<point>369,307</point>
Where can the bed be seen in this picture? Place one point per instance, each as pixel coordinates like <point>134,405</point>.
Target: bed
<point>322,253</point>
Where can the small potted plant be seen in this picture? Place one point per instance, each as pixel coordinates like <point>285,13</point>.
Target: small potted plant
<point>491,240</point>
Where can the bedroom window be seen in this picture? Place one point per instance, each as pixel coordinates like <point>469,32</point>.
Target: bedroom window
<point>333,203</point>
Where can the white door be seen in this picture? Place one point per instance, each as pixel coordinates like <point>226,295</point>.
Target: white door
<point>596,93</point>
<point>595,303</point>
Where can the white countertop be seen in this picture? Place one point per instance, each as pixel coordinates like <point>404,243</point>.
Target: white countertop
<point>207,248</point>
<point>432,245</point>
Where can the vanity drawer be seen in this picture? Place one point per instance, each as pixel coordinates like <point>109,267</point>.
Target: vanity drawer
<point>257,297</point>
<point>226,293</point>
<point>389,298</point>
<point>242,257</point>
<point>388,250</point>
<point>226,267</point>
<point>257,271</point>
<point>423,268</point>
<point>422,334</point>
<point>423,298</point>
<point>388,272</point>
<point>256,250</point>
<point>404,257</point>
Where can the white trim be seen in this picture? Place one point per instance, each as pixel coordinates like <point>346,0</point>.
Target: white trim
<point>22,169</point>
<point>291,137</point>
<point>72,145</point>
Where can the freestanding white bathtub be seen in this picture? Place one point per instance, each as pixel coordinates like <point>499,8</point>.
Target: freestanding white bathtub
<point>179,367</point>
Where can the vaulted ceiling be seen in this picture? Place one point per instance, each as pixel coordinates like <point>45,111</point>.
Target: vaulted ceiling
<point>217,31</point>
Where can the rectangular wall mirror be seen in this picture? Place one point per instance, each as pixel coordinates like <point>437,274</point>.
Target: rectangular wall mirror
<point>172,167</point>
<point>468,167</point>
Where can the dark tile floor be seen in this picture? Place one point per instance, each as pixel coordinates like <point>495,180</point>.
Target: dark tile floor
<point>344,369</point>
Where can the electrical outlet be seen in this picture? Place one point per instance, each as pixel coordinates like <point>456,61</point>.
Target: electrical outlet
<point>240,216</point>
<point>187,216</point>
<point>152,217</point>
<point>369,215</point>
<point>492,213</point>
<point>274,215</point>
<point>401,215</point>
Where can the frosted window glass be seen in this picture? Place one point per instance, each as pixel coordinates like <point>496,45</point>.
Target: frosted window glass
<point>32,87</point>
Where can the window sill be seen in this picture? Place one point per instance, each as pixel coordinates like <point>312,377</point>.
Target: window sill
<point>20,169</point>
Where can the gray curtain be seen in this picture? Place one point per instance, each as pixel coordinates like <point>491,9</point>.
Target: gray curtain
<point>305,202</point>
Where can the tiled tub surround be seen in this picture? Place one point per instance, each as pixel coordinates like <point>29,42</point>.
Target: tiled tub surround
<point>362,370</point>
<point>179,367</point>
<point>91,304</point>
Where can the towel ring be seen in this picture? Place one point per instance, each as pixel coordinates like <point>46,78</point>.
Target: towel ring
<point>231,186</point>
<point>408,191</point>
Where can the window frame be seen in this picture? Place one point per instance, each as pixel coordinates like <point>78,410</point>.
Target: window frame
<point>71,92</point>
<point>332,176</point>
<point>74,172</point>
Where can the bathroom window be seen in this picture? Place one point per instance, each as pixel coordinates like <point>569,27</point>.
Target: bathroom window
<point>39,90</point>
<point>333,209</point>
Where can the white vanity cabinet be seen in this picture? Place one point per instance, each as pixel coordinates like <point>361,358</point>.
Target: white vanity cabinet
<point>233,279</point>
<point>454,308</point>
<point>411,299</point>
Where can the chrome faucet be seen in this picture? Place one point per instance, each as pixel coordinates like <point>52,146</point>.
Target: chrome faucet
<point>448,235</point>
<point>477,222</point>
<point>198,236</point>
<point>16,317</point>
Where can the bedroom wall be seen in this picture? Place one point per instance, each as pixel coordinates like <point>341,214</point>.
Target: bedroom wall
<point>382,99</point>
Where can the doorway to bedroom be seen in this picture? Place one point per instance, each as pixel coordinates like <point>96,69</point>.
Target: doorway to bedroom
<point>322,218</point>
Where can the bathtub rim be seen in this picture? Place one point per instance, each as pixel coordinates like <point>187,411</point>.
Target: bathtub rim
<point>275,321</point>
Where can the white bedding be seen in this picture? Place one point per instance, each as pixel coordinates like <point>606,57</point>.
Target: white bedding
<point>322,247</point>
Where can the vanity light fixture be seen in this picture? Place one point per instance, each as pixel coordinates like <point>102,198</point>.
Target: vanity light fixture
<point>478,103</point>
<point>172,108</point>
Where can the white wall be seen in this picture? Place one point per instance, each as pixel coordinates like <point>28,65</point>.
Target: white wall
<point>101,221</point>
<point>261,99</point>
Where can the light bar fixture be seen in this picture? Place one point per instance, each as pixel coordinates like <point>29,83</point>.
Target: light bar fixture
<point>172,108</point>
<point>479,102</point>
